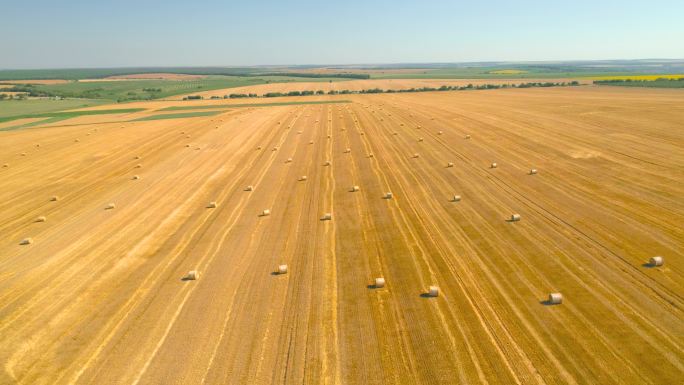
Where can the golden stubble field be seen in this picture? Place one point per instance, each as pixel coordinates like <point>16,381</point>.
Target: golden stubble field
<point>98,297</point>
<point>366,84</point>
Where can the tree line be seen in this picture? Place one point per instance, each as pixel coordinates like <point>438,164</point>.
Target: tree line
<point>390,91</point>
<point>656,83</point>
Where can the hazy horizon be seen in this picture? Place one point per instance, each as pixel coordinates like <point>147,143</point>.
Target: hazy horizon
<point>80,34</point>
<point>417,64</point>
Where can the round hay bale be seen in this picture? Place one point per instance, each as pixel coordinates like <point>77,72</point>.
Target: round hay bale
<point>555,298</point>
<point>26,241</point>
<point>326,217</point>
<point>467,136</point>
<point>110,206</point>
<point>533,171</point>
<point>327,163</point>
<point>266,213</point>
<point>275,149</point>
<point>416,156</point>
<point>440,133</point>
<point>493,165</point>
<point>299,132</point>
<point>347,151</point>
<point>192,275</point>
<point>420,139</point>
<point>258,147</point>
<point>395,133</point>
<point>515,218</point>
<point>138,165</point>
<point>355,188</point>
<point>187,145</point>
<point>54,198</point>
<point>302,178</point>
<point>288,160</point>
<point>450,164</point>
<point>77,140</point>
<point>41,219</point>
<point>282,269</point>
<point>656,261</point>
<point>370,155</point>
<point>136,177</point>
<point>379,282</point>
<point>311,142</point>
<point>456,198</point>
<point>5,165</point>
<point>433,291</point>
<point>388,195</point>
<point>212,205</point>
<point>137,157</point>
<point>249,188</point>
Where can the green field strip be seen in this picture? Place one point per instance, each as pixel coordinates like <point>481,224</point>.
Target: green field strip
<point>178,116</point>
<point>41,106</point>
<point>228,106</point>
<point>70,114</point>
<point>38,123</point>
<point>46,121</point>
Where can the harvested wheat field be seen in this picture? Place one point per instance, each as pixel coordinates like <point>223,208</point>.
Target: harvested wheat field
<point>145,76</point>
<point>35,81</point>
<point>175,277</point>
<point>367,84</point>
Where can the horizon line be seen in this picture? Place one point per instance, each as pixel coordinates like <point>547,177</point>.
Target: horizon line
<point>376,64</point>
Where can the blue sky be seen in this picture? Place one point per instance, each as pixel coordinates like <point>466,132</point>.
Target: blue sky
<point>68,33</point>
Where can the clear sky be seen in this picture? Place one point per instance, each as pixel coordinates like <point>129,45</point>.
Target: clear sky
<point>95,33</point>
